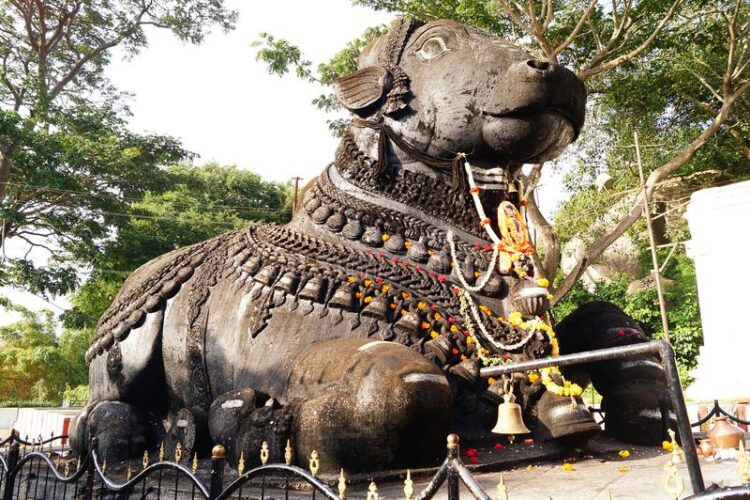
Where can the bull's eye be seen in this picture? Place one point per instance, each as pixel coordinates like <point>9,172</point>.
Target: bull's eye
<point>432,48</point>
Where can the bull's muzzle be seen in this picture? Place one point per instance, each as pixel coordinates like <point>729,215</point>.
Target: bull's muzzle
<point>533,86</point>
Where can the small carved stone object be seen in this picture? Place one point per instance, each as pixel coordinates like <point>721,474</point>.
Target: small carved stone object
<point>353,230</point>
<point>373,236</point>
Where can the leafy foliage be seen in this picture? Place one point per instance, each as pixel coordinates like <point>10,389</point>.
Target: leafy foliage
<point>77,396</point>
<point>682,297</point>
<point>280,57</point>
<point>40,367</point>
<point>37,365</point>
<point>70,186</point>
<point>201,203</point>
<point>69,167</point>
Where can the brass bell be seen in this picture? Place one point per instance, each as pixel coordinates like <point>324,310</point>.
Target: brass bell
<point>509,419</point>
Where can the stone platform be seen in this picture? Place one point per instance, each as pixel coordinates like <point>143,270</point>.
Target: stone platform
<point>598,473</point>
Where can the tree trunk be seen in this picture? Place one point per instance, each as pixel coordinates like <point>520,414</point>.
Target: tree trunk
<point>5,167</point>
<point>549,239</point>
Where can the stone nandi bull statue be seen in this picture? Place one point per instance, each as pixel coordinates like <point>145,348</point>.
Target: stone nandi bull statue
<point>358,329</point>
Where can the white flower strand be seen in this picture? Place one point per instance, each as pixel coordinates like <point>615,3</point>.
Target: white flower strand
<point>488,273</point>
<point>485,277</point>
<point>478,203</point>
<point>486,334</point>
<point>490,232</point>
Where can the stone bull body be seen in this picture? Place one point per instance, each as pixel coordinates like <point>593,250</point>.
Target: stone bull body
<point>342,330</point>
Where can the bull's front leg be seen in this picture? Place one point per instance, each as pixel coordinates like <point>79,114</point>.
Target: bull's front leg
<point>362,405</point>
<point>635,397</point>
<point>370,404</point>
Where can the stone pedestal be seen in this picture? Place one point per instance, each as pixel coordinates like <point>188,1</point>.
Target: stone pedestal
<point>719,220</point>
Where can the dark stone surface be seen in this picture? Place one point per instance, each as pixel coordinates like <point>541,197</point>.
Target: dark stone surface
<point>341,331</point>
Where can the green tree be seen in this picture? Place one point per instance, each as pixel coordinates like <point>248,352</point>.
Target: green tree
<point>34,363</point>
<point>202,202</point>
<point>68,164</point>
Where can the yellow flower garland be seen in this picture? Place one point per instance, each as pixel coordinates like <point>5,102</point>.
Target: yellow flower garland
<point>567,389</point>
<point>515,318</point>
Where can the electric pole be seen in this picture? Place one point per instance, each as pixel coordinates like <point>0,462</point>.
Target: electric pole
<point>296,191</point>
<point>652,242</point>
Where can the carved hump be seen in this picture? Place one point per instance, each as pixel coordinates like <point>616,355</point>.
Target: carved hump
<point>146,290</point>
<point>362,88</point>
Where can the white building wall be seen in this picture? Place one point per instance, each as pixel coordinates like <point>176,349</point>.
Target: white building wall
<point>719,220</point>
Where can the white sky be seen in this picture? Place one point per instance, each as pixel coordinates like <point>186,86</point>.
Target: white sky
<point>225,107</point>
<point>223,104</point>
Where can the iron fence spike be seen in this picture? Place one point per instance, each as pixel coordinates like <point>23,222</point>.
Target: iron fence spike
<point>743,464</point>
<point>288,452</point>
<point>372,491</point>
<point>502,489</point>
<point>342,485</point>
<point>673,483</point>
<point>314,463</point>
<point>408,486</point>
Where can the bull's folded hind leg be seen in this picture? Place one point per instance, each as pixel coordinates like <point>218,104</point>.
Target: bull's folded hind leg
<point>360,405</point>
<point>635,397</point>
<point>127,394</point>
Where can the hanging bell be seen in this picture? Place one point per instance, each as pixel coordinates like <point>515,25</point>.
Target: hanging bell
<point>509,419</point>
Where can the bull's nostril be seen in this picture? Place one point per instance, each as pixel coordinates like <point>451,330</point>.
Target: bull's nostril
<point>538,65</point>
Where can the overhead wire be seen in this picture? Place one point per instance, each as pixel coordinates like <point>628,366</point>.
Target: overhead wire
<point>125,199</point>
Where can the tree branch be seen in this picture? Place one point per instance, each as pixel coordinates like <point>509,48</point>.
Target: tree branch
<point>657,175</point>
<point>550,241</point>
<point>515,18</point>
<point>81,62</point>
<point>590,71</point>
<point>576,31</point>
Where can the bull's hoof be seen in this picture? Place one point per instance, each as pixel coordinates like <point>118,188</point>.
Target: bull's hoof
<point>121,430</point>
<point>639,413</point>
<point>563,419</point>
<point>243,420</point>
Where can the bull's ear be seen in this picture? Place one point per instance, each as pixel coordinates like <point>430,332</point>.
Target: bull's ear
<point>363,89</point>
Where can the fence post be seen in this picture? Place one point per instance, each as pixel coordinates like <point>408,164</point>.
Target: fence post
<point>217,471</point>
<point>10,477</point>
<point>452,472</point>
<point>88,490</point>
<point>666,353</point>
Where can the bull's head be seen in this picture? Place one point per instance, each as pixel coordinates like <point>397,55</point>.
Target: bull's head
<point>446,88</point>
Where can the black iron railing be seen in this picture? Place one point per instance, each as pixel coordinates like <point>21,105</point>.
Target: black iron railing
<point>666,355</point>
<point>718,411</point>
<point>38,475</point>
